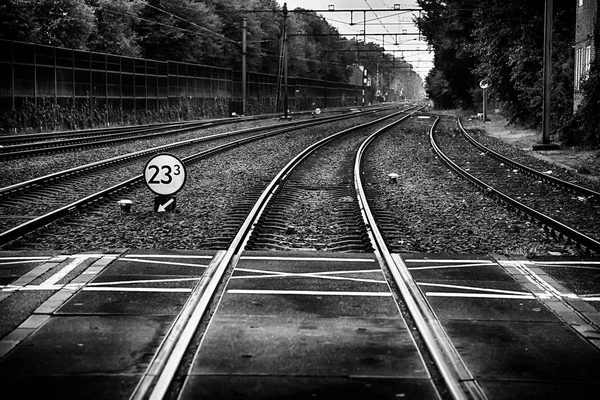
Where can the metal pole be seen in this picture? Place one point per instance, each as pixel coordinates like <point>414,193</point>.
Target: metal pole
<point>484,105</point>
<point>244,67</point>
<point>547,71</point>
<point>365,67</point>
<point>325,94</point>
<point>285,63</point>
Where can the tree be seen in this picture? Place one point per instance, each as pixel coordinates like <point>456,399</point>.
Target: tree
<point>448,27</point>
<point>16,20</point>
<point>115,27</point>
<point>66,23</point>
<point>181,30</point>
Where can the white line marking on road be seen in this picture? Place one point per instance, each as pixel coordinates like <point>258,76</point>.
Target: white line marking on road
<point>26,258</point>
<point>122,289</point>
<point>64,271</point>
<point>12,288</point>
<point>450,266</point>
<point>310,293</point>
<point>419,260</point>
<point>165,256</point>
<point>143,281</point>
<point>474,288</point>
<point>166,263</point>
<point>566,262</point>
<point>23,262</point>
<point>317,275</point>
<point>308,259</point>
<point>481,295</point>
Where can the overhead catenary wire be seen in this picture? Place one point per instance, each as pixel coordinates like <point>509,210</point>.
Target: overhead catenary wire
<point>193,23</point>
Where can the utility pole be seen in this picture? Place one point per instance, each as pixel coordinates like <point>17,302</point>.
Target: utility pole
<point>546,145</point>
<point>285,63</point>
<point>244,83</point>
<point>364,78</point>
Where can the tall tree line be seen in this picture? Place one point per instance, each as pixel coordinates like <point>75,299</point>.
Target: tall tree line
<point>197,31</point>
<point>503,41</point>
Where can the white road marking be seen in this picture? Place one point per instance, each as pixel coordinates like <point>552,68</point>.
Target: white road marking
<point>318,275</point>
<point>144,281</point>
<point>64,271</point>
<point>420,260</point>
<point>450,266</point>
<point>166,263</point>
<point>566,262</point>
<point>165,256</point>
<point>310,293</point>
<point>24,262</point>
<point>474,288</point>
<point>13,288</point>
<point>308,259</point>
<point>122,289</point>
<point>481,295</point>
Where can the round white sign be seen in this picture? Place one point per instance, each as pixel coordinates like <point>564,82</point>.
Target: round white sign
<point>484,84</point>
<point>165,174</point>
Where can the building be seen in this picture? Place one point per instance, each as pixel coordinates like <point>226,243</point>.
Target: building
<point>587,42</point>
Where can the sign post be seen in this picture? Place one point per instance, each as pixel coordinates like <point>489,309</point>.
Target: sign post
<point>485,84</point>
<point>165,175</point>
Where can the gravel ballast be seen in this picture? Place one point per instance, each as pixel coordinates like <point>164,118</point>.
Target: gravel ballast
<point>433,210</point>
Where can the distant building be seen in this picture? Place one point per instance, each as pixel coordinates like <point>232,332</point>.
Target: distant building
<point>587,43</point>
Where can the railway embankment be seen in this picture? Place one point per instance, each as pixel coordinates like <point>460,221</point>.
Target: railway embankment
<point>582,164</point>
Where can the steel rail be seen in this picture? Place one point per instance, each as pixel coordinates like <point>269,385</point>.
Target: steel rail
<point>23,138</point>
<point>35,150</point>
<point>43,220</point>
<point>29,137</point>
<point>142,153</point>
<point>530,171</point>
<point>545,220</point>
<point>66,144</point>
<point>455,374</point>
<point>162,368</point>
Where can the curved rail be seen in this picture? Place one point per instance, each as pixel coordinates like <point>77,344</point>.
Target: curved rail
<point>454,373</point>
<point>5,191</point>
<point>545,220</point>
<point>162,369</point>
<point>530,171</point>
<point>29,226</point>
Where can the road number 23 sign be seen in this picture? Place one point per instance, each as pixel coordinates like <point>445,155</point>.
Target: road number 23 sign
<point>165,174</point>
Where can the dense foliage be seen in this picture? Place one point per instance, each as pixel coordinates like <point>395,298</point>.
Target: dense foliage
<point>197,31</point>
<point>503,41</point>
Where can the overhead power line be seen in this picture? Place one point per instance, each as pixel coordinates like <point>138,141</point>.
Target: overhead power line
<point>192,23</point>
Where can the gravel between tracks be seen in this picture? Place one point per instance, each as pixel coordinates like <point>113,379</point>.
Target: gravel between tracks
<point>23,169</point>
<point>213,186</point>
<point>438,211</point>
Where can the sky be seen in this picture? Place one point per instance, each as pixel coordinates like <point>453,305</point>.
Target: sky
<point>414,48</point>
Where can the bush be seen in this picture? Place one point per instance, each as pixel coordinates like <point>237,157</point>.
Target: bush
<point>584,128</point>
<point>47,116</point>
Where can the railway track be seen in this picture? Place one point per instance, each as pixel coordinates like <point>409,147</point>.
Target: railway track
<point>12,147</point>
<point>262,228</point>
<point>567,211</point>
<point>331,171</point>
<point>30,205</point>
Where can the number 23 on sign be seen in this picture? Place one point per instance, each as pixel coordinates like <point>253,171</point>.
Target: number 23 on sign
<point>165,174</point>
